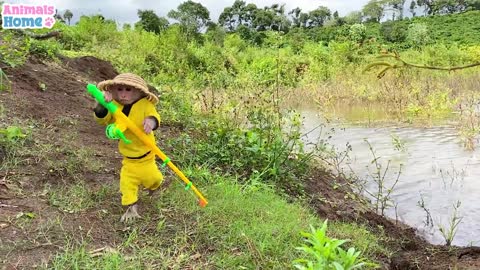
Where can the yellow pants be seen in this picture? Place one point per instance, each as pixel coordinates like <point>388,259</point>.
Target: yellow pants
<point>136,172</point>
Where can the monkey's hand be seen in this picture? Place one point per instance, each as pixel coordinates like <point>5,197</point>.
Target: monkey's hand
<point>149,124</point>
<point>108,96</point>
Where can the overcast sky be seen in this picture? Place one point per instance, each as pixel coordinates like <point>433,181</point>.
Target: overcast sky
<point>125,11</point>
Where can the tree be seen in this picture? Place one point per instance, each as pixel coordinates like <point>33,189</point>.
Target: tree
<point>149,21</point>
<point>58,17</point>
<point>473,4</point>
<point>395,6</point>
<point>413,5</point>
<point>337,20</point>
<point>215,34</point>
<point>295,14</point>
<point>68,15</point>
<point>427,5</point>
<point>249,14</point>
<point>238,14</point>
<point>263,19</point>
<point>271,18</point>
<point>193,17</point>
<point>449,6</point>
<point>227,19</point>
<point>299,18</point>
<point>373,10</point>
<point>303,19</point>
<point>317,17</point>
<point>353,17</point>
<point>280,21</point>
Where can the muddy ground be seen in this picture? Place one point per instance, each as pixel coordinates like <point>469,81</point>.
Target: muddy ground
<point>51,98</point>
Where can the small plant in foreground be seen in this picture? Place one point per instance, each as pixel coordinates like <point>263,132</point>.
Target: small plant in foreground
<point>5,84</point>
<point>449,232</point>
<point>383,196</point>
<point>326,253</point>
<point>11,134</point>
<point>10,139</point>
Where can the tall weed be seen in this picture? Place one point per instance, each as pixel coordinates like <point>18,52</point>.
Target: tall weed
<point>323,252</point>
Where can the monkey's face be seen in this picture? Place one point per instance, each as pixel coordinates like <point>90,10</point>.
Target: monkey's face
<point>126,94</point>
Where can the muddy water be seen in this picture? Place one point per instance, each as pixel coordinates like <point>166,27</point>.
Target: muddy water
<point>435,167</point>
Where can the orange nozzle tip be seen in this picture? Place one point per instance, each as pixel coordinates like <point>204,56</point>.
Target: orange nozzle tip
<point>202,203</point>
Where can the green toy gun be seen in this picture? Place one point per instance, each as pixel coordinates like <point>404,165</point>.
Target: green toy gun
<point>115,131</point>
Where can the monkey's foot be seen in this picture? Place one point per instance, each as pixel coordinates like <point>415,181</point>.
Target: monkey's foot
<point>130,214</point>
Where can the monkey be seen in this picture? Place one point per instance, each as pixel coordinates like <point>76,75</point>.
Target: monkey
<point>131,93</point>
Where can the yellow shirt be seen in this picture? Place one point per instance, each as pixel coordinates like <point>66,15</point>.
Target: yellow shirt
<point>138,112</point>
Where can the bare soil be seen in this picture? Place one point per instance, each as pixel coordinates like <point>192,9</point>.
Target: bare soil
<point>52,97</point>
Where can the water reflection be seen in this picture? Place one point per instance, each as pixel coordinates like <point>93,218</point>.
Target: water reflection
<point>436,167</point>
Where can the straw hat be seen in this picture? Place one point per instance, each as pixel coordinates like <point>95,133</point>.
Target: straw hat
<point>132,80</point>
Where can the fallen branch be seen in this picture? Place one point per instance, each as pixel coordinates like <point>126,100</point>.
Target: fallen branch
<point>403,64</point>
<point>7,205</point>
<point>101,251</point>
<point>40,36</point>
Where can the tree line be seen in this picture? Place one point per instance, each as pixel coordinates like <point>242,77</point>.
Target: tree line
<point>194,17</point>
<point>250,21</point>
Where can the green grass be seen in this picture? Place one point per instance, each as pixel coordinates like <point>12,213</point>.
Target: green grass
<point>241,228</point>
<point>13,138</point>
<point>80,258</point>
<point>78,197</point>
<point>250,228</point>
<point>362,238</point>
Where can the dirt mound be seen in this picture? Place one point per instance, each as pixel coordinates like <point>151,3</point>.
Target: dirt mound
<point>51,99</point>
<point>91,66</point>
<point>51,90</point>
<point>53,95</point>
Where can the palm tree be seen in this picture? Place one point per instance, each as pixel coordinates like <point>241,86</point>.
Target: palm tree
<point>68,15</point>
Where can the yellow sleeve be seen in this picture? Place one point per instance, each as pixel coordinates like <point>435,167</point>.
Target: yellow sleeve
<point>103,121</point>
<point>108,118</point>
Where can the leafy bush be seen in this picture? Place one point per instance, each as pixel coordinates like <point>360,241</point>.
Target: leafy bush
<point>265,152</point>
<point>88,32</point>
<point>418,35</point>
<point>393,31</point>
<point>46,49</point>
<point>13,50</point>
<point>358,32</point>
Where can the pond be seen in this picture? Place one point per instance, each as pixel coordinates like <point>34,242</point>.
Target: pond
<point>435,167</point>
